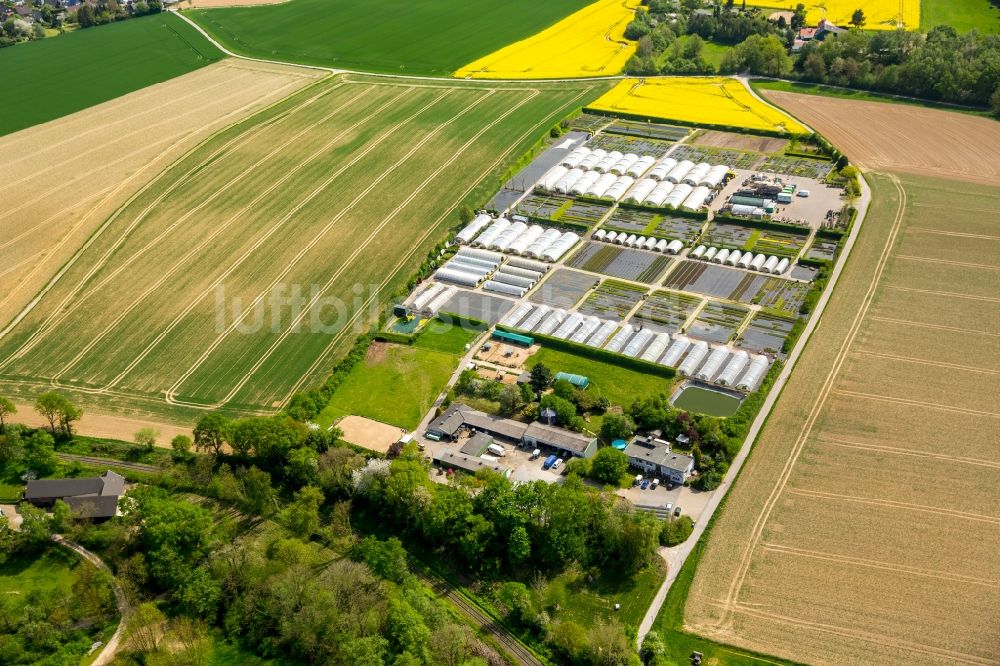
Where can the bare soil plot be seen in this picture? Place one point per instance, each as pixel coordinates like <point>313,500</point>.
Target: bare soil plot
<point>274,245</point>
<point>734,159</point>
<point>59,181</point>
<point>666,311</point>
<point>368,433</point>
<point>620,262</point>
<point>865,527</point>
<point>733,141</point>
<point>898,137</point>
<point>765,333</point>
<point>717,321</point>
<point>563,288</point>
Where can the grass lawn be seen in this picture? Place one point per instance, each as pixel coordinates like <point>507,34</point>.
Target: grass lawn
<point>588,603</point>
<point>620,385</point>
<point>859,95</point>
<point>10,488</point>
<point>963,15</point>
<point>52,570</point>
<point>714,53</point>
<point>395,384</point>
<point>389,36</point>
<point>446,338</point>
<point>51,78</point>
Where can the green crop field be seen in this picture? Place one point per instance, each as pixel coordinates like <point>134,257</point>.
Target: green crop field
<point>391,36</point>
<point>58,76</point>
<point>245,270</point>
<point>963,15</point>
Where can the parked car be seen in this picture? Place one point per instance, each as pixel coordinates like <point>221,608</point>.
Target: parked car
<point>557,463</point>
<point>656,482</point>
<point>536,453</point>
<point>644,484</point>
<point>668,506</point>
<point>677,511</point>
<point>549,462</point>
<point>638,479</point>
<point>802,193</point>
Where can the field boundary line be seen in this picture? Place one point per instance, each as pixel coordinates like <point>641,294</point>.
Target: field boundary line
<point>923,361</point>
<point>948,262</point>
<point>949,294</point>
<point>894,504</point>
<point>878,564</point>
<point>744,565</point>
<point>917,403</point>
<point>939,327</point>
<point>346,264</point>
<point>216,231</point>
<point>114,216</point>
<point>833,441</point>
<point>273,228</point>
<point>306,376</point>
<point>928,230</point>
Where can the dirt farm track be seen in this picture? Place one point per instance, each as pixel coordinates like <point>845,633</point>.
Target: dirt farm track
<point>902,138</point>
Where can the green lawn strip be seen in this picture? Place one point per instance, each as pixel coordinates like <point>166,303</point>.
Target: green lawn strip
<point>387,36</point>
<point>859,95</point>
<point>713,53</point>
<point>446,338</point>
<point>56,77</point>
<point>963,15</point>
<point>588,602</point>
<point>50,570</point>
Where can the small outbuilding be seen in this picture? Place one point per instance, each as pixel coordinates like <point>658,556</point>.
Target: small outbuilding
<point>578,381</point>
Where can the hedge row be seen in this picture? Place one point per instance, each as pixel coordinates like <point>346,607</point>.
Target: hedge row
<point>763,224</point>
<point>682,123</point>
<point>835,234</point>
<point>810,156</point>
<point>596,354</point>
<point>470,322</point>
<point>814,263</point>
<point>675,212</point>
<point>397,338</point>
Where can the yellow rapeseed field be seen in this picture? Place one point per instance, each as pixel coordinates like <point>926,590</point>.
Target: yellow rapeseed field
<point>590,42</point>
<point>697,100</point>
<point>879,14</point>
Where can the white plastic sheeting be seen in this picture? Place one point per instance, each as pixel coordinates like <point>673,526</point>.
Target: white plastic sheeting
<point>471,265</point>
<point>591,160</point>
<point>498,227</point>
<point>621,166</point>
<point>534,317</point>
<point>755,373</point>
<point>602,333</point>
<point>656,348</point>
<point>470,230</point>
<point>720,256</point>
<point>745,260</point>
<point>458,277</point>
<point>677,174</point>
<point>442,298</point>
<point>516,280</point>
<point>715,176</point>
<point>517,314</point>
<point>501,242</point>
<point>661,245</point>
<point>525,239</point>
<point>650,244</point>
<point>770,264</point>
<point>709,253</point>
<point>549,237</point>
<point>758,262</point>
<point>697,353</point>
<point>712,365</point>
<point>699,171</point>
<point>641,166</point>
<point>618,188</point>
<point>641,190</point>
<point>600,234</point>
<point>620,338</point>
<point>504,288</point>
<point>551,322</point>
<point>608,161</point>
<point>782,266</point>
<point>584,183</point>
<point>733,257</point>
<point>678,195</point>
<point>639,242</point>
<point>612,237</point>
<point>601,185</point>
<point>662,167</point>
<point>698,251</point>
<point>427,296</point>
<point>528,264</point>
<point>522,272</point>
<point>630,240</point>
<point>659,194</point>
<point>588,326</point>
<point>733,369</point>
<point>560,247</point>
<point>479,254</point>
<point>568,325</point>
<point>553,176</point>
<point>697,198</point>
<point>675,351</point>
<point>638,342</point>
<point>573,159</point>
<point>568,180</point>
<point>674,246</point>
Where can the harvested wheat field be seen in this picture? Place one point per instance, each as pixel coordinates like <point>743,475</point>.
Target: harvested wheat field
<point>899,137</point>
<point>760,144</point>
<point>865,527</point>
<point>246,268</point>
<point>61,180</point>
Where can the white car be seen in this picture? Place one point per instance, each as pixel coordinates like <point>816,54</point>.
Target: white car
<point>557,463</point>
<point>668,506</point>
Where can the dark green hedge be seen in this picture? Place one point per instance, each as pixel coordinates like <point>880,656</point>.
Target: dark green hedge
<point>397,338</point>
<point>763,224</point>
<point>809,156</point>
<point>835,234</point>
<point>814,263</point>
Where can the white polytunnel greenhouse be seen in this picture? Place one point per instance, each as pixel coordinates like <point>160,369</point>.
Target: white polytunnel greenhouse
<point>630,240</point>
<point>715,176</point>
<point>622,165</point>
<point>782,266</point>
<point>612,237</point>
<point>521,272</point>
<point>534,318</point>
<point>677,174</point>
<point>517,314</point>
<point>601,185</point>
<point>584,182</point>
<point>573,159</point>
<point>471,265</point>
<point>501,242</point>
<point>470,230</point>
<point>560,247</point>
<point>641,166</point>
<point>427,295</point>
<point>638,242</point>
<point>697,198</point>
<point>525,239</point>
<point>650,243</point>
<point>568,180</point>
<point>745,260</point>
<point>620,338</point>
<point>599,235</point>
<point>659,194</point>
<point>656,348</point>
<point>744,210</point>
<point>618,188</point>
<point>758,262</point>
<point>709,253</point>
<point>661,245</point>
<point>588,326</point>
<point>676,350</point>
<point>551,323</point>
<point>695,175</point>
<point>547,238</point>
<point>442,298</point>
<point>458,277</point>
<point>602,334</point>
<point>678,195</point>
<point>698,351</point>
<point>528,264</point>
<point>733,369</point>
<point>638,343</point>
<point>770,264</point>
<point>662,167</point>
<point>591,160</point>
<point>733,257</point>
<point>720,256</point>
<point>698,251</point>
<point>674,246</point>
<point>641,190</point>
<point>712,365</point>
<point>516,280</point>
<point>479,254</point>
<point>503,288</point>
<point>491,233</point>
<point>552,176</point>
<point>755,373</point>
<point>608,161</point>
<point>568,325</point>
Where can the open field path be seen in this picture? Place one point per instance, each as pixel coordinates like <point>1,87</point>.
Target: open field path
<point>111,462</point>
<point>106,426</point>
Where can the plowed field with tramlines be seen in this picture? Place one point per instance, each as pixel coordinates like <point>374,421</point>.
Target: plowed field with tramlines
<point>245,270</point>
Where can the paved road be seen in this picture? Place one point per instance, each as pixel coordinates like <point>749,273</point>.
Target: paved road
<point>676,556</point>
<point>107,653</point>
